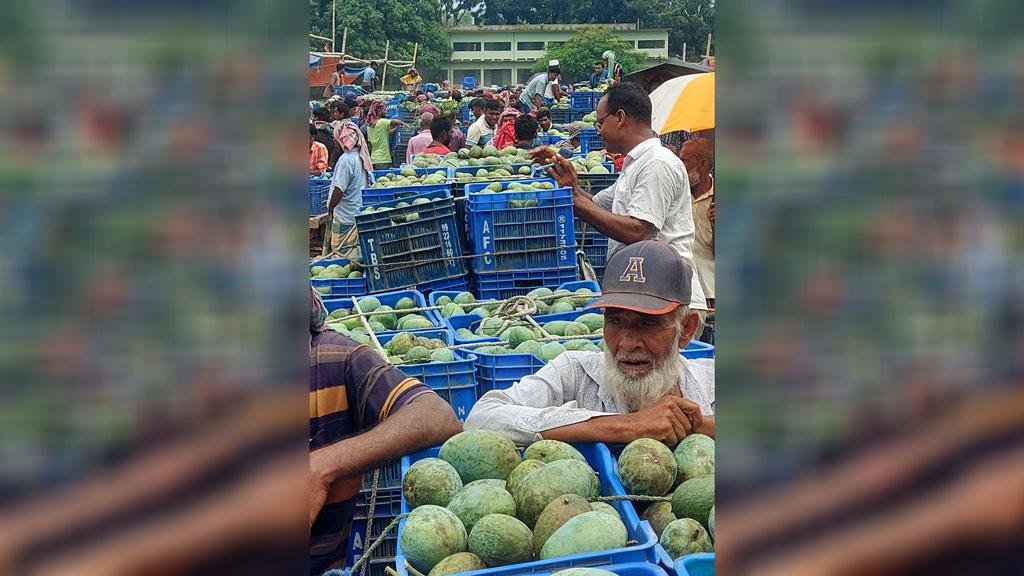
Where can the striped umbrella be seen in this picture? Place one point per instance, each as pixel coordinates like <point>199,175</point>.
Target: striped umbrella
<point>684,103</point>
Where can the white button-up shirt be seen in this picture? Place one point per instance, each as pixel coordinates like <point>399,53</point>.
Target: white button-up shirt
<point>568,390</point>
<point>653,187</point>
<point>704,243</point>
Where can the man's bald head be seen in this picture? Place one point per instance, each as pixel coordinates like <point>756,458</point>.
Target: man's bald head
<point>701,150</point>
<point>426,119</point>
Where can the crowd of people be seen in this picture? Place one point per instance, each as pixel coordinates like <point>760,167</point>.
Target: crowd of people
<point>657,293</point>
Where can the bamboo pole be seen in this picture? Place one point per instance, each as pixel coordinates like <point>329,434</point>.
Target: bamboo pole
<point>707,51</point>
<point>334,29</point>
<point>384,69</point>
<point>684,51</point>
<point>414,48</point>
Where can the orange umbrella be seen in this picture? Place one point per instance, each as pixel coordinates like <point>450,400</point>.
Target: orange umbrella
<point>684,103</point>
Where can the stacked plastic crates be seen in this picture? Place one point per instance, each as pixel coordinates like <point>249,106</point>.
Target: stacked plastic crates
<point>593,243</point>
<point>319,193</point>
<point>453,381</point>
<point>561,115</point>
<point>402,137</point>
<point>387,506</point>
<point>415,244</point>
<point>522,239</point>
<point>590,140</point>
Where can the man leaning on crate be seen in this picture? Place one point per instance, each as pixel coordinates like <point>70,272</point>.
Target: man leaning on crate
<point>639,387</point>
<point>363,413</point>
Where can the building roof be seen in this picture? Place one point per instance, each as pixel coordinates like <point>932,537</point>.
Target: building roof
<point>550,27</point>
<point>653,76</point>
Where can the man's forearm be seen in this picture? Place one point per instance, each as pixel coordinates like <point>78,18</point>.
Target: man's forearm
<point>424,422</point>
<point>611,429</point>
<point>335,199</point>
<point>625,229</point>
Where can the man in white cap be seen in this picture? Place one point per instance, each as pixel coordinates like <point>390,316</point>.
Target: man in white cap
<point>542,89</point>
<point>639,387</point>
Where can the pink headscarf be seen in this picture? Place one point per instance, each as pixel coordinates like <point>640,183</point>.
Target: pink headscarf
<point>505,133</point>
<point>376,112</point>
<point>429,108</point>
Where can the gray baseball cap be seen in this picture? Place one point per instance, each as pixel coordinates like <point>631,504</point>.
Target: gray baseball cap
<point>648,277</point>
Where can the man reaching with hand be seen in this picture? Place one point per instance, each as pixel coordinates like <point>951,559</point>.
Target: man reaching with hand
<point>639,387</point>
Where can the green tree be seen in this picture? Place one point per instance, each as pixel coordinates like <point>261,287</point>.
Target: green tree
<point>689,22</point>
<point>556,12</point>
<point>578,54</point>
<point>371,23</point>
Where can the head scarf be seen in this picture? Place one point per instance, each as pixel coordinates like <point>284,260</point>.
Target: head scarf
<point>317,312</point>
<point>505,134</point>
<point>421,98</point>
<point>349,137</point>
<point>376,112</point>
<point>430,108</point>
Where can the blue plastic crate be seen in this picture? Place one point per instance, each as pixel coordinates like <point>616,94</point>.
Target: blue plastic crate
<point>389,502</point>
<point>541,235</point>
<point>594,183</point>
<point>384,554</point>
<point>467,114</point>
<point>638,531</point>
<point>503,285</point>
<point>389,299</point>
<point>696,349</point>
<point>696,565</point>
<point>403,254</point>
<point>457,283</point>
<point>584,100</point>
<point>561,116</point>
<point>459,188</point>
<point>549,139</point>
<point>346,89</point>
<point>590,140</point>
<point>340,287</point>
<point>319,194</point>
<point>453,381</point>
<point>390,476</point>
<point>375,196</point>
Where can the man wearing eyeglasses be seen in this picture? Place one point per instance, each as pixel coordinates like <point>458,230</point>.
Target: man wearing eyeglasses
<point>651,197</point>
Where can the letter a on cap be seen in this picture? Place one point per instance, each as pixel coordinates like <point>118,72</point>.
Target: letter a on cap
<point>634,271</point>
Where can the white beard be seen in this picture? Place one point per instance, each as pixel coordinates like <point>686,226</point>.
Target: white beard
<point>638,393</point>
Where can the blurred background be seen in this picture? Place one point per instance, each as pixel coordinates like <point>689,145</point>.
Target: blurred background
<point>152,287</point>
<point>870,163</point>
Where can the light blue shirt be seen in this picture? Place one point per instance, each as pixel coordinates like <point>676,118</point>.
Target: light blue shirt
<point>350,178</point>
<point>369,74</point>
<point>538,85</point>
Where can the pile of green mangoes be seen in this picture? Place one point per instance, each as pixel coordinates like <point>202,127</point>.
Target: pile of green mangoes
<point>333,271</point>
<point>592,163</point>
<point>408,177</point>
<point>686,525</point>
<point>474,156</point>
<point>522,338</point>
<point>381,318</point>
<point>548,301</point>
<point>401,218</point>
<point>407,348</point>
<point>480,504</point>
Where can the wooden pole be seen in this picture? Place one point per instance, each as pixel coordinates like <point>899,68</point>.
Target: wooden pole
<point>384,72</point>
<point>334,30</point>
<point>344,40</point>
<point>684,51</point>
<point>414,48</point>
<point>707,51</point>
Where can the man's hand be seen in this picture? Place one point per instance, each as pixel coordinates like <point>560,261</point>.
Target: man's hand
<point>563,171</point>
<point>319,485</point>
<point>668,420</point>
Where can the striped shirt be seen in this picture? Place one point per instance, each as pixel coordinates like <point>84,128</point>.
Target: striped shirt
<point>351,389</point>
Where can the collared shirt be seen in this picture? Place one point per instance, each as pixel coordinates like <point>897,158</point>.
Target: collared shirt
<point>350,177</point>
<point>478,130</point>
<point>418,143</point>
<point>539,84</point>
<point>569,390</point>
<point>317,157</point>
<point>351,389</point>
<point>596,78</point>
<point>652,187</point>
<point>704,242</point>
<point>458,140</point>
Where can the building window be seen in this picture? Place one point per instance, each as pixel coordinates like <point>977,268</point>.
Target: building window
<point>641,44</point>
<point>498,46</point>
<point>465,46</point>
<point>523,75</point>
<point>459,75</point>
<point>555,43</point>
<point>501,77</point>
<point>530,45</point>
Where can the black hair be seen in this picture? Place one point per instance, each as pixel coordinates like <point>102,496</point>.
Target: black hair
<point>543,112</point>
<point>338,67</point>
<point>322,113</point>
<point>476,103</point>
<point>312,129</point>
<point>526,127</point>
<point>490,104</point>
<point>343,108</point>
<point>630,98</point>
<point>440,127</point>
<point>554,69</point>
<point>599,63</point>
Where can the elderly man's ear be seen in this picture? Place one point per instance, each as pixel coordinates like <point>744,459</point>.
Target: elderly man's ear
<point>689,328</point>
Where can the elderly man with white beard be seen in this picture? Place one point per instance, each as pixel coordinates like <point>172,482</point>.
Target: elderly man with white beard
<point>639,387</point>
